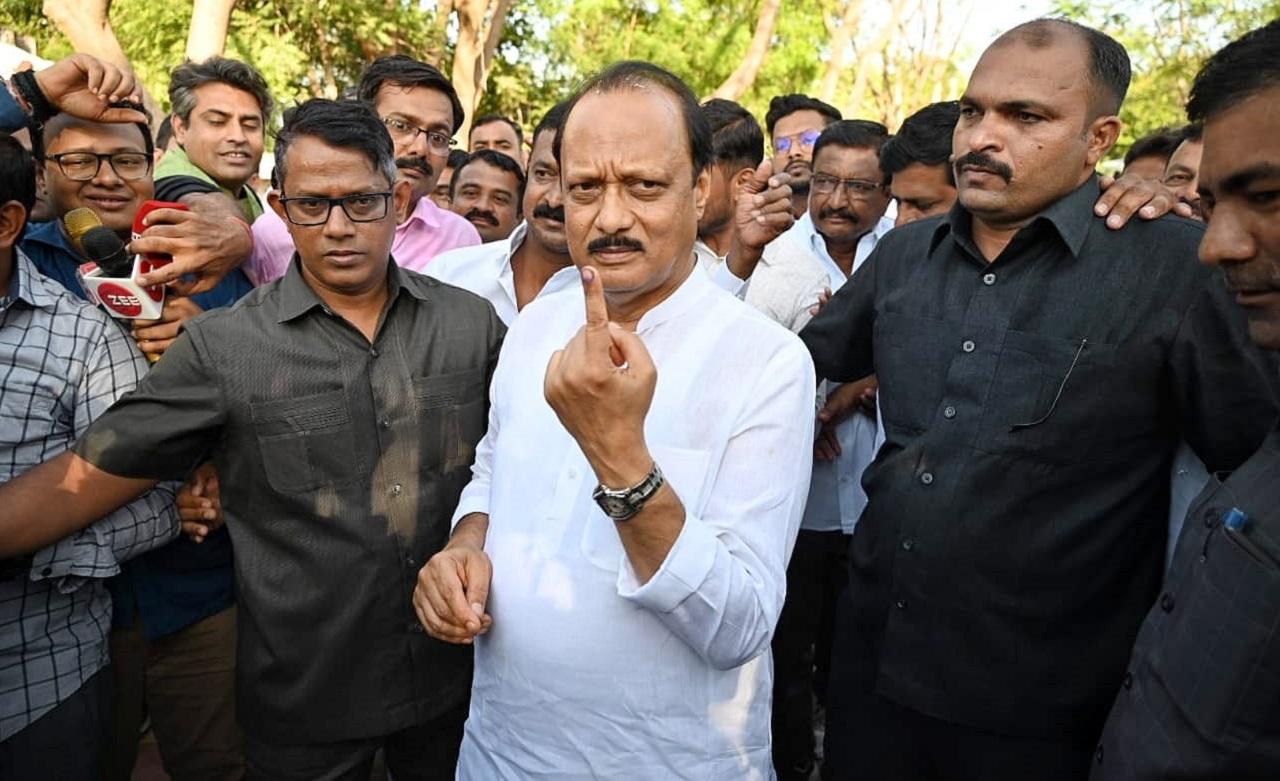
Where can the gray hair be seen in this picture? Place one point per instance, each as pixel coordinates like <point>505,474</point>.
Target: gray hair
<point>189,76</point>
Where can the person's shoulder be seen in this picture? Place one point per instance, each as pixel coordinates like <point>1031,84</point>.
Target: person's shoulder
<point>459,262</point>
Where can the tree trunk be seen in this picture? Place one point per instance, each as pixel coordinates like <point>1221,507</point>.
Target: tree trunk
<point>480,25</point>
<point>882,39</point>
<point>88,28</point>
<point>745,74</point>
<point>208,34</point>
<point>841,30</point>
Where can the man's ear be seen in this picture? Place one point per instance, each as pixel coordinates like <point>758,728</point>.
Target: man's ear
<point>1101,136</point>
<point>179,130</point>
<point>273,200</point>
<point>701,189</point>
<point>12,217</point>
<point>401,192</point>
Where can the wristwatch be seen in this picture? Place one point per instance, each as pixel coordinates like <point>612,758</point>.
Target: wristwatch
<point>624,503</point>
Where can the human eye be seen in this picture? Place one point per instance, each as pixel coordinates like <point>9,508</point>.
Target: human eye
<point>130,162</point>
<point>1027,117</point>
<point>1263,198</point>
<point>969,111</point>
<point>309,207</point>
<point>438,139</point>
<point>77,161</point>
<point>1176,179</point>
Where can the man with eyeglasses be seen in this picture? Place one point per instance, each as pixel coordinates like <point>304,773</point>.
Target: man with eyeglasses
<point>794,123</point>
<point>1036,372</point>
<point>421,111</point>
<point>341,406</point>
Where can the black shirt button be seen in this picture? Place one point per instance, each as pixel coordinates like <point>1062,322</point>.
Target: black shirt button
<point>1098,755</point>
<point>908,544</point>
<point>385,423</point>
<point>901,604</point>
<point>968,346</point>
<point>47,571</point>
<point>1211,517</point>
<point>949,412</point>
<point>988,279</point>
<point>396,489</point>
<point>415,627</point>
<point>373,351</point>
<point>927,478</point>
<point>1128,680</point>
<point>1166,602</point>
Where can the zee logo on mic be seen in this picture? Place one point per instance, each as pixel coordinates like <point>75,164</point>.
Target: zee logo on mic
<point>120,300</point>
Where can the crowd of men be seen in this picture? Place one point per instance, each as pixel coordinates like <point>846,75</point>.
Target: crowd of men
<point>655,444</point>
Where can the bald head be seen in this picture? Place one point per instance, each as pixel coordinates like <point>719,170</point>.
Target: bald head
<point>1108,62</point>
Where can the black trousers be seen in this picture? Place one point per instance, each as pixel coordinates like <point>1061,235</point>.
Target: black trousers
<point>423,752</point>
<point>816,576</point>
<point>871,738</point>
<point>64,743</point>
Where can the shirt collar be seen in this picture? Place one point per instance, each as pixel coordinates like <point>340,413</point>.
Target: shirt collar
<point>426,212</point>
<point>297,298</point>
<point>29,285</point>
<point>1071,216</point>
<point>513,243</point>
<point>685,297</point>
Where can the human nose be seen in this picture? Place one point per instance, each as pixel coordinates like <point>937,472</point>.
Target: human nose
<point>614,215</point>
<point>106,175</point>
<point>1226,240</point>
<point>338,223</point>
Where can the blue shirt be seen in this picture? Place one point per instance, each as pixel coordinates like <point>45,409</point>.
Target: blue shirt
<point>174,586</point>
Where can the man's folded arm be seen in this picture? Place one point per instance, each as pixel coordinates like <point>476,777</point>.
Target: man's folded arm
<point>721,586</point>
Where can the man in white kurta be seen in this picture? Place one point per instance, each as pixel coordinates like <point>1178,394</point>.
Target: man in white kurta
<point>594,658</point>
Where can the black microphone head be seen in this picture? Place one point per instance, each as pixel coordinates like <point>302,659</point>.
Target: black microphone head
<point>105,248</point>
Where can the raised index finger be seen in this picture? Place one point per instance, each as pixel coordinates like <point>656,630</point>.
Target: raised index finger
<point>593,288</point>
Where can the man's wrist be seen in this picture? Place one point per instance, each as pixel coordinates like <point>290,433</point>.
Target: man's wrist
<point>624,467</point>
<point>27,87</point>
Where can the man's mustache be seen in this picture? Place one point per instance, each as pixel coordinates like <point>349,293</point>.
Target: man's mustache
<point>416,164</point>
<point>610,242</point>
<point>827,213</point>
<point>545,211</point>
<point>482,215</point>
<point>986,163</point>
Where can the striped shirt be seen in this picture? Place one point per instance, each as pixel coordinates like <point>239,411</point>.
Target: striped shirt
<point>62,364</point>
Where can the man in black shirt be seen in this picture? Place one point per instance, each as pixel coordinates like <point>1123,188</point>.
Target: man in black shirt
<point>341,406</point>
<point>1036,371</point>
<point>1201,695</point>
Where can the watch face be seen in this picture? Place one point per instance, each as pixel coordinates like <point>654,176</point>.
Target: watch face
<point>615,506</point>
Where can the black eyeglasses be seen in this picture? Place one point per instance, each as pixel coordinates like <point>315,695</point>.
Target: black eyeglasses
<point>825,184</point>
<point>361,207</point>
<point>406,132</point>
<point>84,166</point>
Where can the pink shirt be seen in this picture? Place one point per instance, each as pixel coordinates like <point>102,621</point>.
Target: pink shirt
<point>428,232</point>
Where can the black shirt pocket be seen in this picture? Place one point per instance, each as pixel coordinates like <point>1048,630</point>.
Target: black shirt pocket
<point>1048,399</point>
<point>305,442</point>
<point>1219,658</point>
<point>454,412</point>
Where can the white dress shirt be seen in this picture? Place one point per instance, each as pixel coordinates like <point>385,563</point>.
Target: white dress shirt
<point>485,269</point>
<point>836,498</point>
<point>586,672</point>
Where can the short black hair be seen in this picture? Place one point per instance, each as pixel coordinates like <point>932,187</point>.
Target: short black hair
<point>489,119</point>
<point>1109,68</point>
<point>164,133</point>
<point>782,105</point>
<point>496,159</point>
<point>17,174</point>
<point>1161,144</point>
<point>348,124</point>
<point>40,138</point>
<point>189,76</point>
<point>553,120</point>
<point>456,158</point>
<point>629,74</point>
<point>853,134</point>
<point>1239,70</point>
<point>925,138</point>
<point>1191,132</point>
<point>404,71</point>
<point>736,138</point>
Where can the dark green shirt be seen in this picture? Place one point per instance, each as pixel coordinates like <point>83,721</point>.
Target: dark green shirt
<point>340,462</point>
<point>1015,529</point>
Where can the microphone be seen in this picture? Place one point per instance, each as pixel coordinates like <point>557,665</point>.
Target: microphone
<point>78,222</point>
<point>105,248</point>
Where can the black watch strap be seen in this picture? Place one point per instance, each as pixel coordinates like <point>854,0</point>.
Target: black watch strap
<point>41,109</point>
<point>623,504</point>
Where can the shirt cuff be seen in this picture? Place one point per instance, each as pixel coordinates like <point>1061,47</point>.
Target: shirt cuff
<point>71,560</point>
<point>472,501</point>
<point>682,573</point>
<point>726,281</point>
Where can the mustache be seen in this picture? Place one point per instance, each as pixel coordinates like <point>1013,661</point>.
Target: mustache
<point>416,164</point>
<point>483,215</point>
<point>827,212</point>
<point>545,211</point>
<point>609,242</point>
<point>986,163</point>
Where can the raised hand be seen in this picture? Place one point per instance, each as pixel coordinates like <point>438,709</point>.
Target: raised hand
<point>85,87</point>
<point>763,213</point>
<point>600,386</point>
